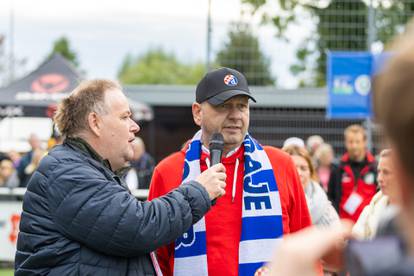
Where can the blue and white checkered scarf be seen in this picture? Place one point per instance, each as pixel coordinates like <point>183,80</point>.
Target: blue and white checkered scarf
<point>262,226</point>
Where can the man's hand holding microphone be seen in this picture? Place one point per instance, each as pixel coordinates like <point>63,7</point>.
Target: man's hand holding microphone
<point>214,178</point>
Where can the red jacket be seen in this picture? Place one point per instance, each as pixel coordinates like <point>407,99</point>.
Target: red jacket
<point>223,221</point>
<point>343,183</point>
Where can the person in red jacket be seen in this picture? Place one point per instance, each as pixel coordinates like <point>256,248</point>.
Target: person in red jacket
<point>264,198</point>
<point>354,182</point>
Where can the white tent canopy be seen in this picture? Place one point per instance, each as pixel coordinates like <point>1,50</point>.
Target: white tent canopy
<point>14,132</point>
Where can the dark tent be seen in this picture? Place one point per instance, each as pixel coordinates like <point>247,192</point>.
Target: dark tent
<point>37,94</point>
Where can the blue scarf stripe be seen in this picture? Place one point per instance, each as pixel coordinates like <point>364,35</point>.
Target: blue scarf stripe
<point>252,166</point>
<point>193,151</point>
<point>264,181</point>
<point>269,227</point>
<point>249,269</point>
<point>196,249</point>
<point>250,144</point>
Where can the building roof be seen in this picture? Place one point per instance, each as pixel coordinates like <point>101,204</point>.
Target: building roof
<point>176,95</point>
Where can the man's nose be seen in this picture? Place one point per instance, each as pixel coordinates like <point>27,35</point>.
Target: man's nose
<point>134,127</point>
<point>235,113</point>
<point>380,178</point>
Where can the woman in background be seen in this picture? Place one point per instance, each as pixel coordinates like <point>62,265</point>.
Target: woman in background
<point>320,208</point>
<point>324,160</point>
<point>382,203</point>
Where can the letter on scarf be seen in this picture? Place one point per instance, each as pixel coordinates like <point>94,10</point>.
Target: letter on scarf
<point>257,201</point>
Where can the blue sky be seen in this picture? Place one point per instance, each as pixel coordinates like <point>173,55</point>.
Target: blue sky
<point>103,32</point>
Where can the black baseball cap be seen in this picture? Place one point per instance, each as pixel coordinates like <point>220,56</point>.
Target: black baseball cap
<point>221,84</point>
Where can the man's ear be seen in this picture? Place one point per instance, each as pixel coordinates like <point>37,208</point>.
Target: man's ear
<point>94,123</point>
<point>196,108</point>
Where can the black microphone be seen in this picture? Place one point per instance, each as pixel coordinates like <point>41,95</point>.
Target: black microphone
<point>216,150</point>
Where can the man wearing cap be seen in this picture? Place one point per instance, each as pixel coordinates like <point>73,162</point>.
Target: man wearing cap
<point>264,198</point>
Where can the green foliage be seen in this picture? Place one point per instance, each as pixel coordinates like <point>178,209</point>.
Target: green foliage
<point>340,25</point>
<point>62,46</point>
<point>255,4</point>
<point>392,18</point>
<point>159,67</point>
<point>6,272</point>
<point>242,52</point>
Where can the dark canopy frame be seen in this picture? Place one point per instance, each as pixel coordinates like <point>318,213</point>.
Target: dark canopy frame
<point>37,94</point>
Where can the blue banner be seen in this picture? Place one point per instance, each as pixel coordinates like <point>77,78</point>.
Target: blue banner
<point>349,85</point>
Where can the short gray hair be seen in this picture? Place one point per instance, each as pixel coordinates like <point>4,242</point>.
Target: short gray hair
<point>72,114</point>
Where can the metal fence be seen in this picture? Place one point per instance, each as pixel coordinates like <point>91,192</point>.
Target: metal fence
<point>303,32</point>
<point>272,126</point>
<point>173,126</point>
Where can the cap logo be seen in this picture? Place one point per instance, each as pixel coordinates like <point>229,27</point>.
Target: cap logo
<point>230,80</point>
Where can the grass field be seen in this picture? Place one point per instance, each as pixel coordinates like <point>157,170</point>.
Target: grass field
<point>6,272</point>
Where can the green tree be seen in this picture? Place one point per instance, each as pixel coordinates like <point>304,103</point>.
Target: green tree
<point>242,52</point>
<point>158,67</point>
<point>340,25</point>
<point>62,46</point>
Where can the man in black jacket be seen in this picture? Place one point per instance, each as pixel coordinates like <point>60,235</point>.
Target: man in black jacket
<point>79,218</point>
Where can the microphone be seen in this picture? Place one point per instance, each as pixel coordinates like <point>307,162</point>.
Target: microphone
<point>216,150</point>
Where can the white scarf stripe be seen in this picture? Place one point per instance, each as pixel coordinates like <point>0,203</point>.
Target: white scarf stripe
<point>254,253</point>
<point>190,265</point>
